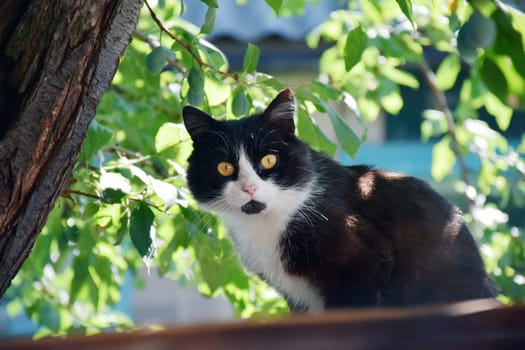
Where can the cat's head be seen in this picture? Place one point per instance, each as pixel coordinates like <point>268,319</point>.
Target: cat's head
<point>250,166</point>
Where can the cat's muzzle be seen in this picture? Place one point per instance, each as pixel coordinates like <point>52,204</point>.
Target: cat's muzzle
<point>253,207</point>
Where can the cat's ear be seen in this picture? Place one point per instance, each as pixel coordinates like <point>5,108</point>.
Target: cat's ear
<point>281,111</point>
<point>196,121</point>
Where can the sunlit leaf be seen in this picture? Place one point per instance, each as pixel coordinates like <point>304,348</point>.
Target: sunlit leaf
<point>167,192</point>
<point>251,58</point>
<point>346,137</point>
<point>209,20</point>
<point>114,181</point>
<point>275,5</point>
<point>211,3</point>
<point>14,307</point>
<point>216,91</point>
<point>169,135</point>
<point>443,159</point>
<point>400,77</point>
<point>389,96</point>
<point>500,111</point>
<point>213,54</point>
<point>406,7</point>
<point>354,47</point>
<point>447,72</point>
<point>311,133</point>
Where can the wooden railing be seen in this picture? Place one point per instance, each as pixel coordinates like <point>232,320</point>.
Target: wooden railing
<point>474,325</point>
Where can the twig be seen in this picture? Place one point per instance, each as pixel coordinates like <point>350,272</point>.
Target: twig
<point>186,46</point>
<point>68,192</point>
<point>441,102</point>
<point>138,159</point>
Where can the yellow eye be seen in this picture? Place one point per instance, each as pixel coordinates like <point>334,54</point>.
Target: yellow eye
<point>225,168</point>
<point>268,161</point>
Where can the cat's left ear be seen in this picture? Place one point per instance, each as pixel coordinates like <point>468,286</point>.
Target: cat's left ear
<point>196,121</point>
<point>281,111</point>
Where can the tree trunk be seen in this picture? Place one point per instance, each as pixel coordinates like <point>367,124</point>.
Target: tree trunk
<point>57,57</point>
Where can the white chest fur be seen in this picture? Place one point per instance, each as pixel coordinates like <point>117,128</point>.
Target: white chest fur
<point>257,240</point>
<point>258,237</point>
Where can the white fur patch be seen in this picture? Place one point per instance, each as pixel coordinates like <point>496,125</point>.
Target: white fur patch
<point>257,236</point>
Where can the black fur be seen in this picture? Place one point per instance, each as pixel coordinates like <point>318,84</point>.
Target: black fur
<point>389,240</point>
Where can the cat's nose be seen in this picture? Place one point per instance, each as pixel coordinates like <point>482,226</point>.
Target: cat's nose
<point>250,189</point>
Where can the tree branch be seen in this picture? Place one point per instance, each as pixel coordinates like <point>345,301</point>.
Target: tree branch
<point>67,193</point>
<point>441,102</point>
<point>153,44</point>
<point>185,45</point>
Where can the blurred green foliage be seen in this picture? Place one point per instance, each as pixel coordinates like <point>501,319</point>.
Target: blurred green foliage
<point>128,205</point>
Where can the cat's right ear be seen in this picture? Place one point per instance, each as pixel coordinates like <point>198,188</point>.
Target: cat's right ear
<point>196,121</point>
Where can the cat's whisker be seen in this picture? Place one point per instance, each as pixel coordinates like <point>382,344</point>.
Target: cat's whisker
<point>268,134</point>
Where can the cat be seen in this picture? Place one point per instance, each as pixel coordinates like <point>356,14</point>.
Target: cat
<point>322,234</point>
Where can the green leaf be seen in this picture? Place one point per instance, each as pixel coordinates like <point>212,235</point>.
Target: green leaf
<point>434,124</point>
<point>196,91</point>
<point>443,159</point>
<point>494,79</point>
<point>115,181</point>
<point>240,103</point>
<point>169,135</point>
<point>392,102</point>
<point>346,137</point>
<point>211,3</point>
<point>275,5</point>
<point>196,78</point>
<point>112,195</point>
<point>209,21</point>
<point>48,315</point>
<point>214,56</point>
<point>510,40</point>
<point>123,226</point>
<point>211,260</point>
<point>355,45</point>
<point>141,230</point>
<point>406,7</point>
<point>156,60</point>
<point>216,91</point>
<point>167,192</point>
<point>80,277</point>
<point>500,111</point>
<point>14,307</point>
<point>389,96</point>
<point>447,72</point>
<point>400,77</point>
<point>311,133</point>
<point>97,137</point>
<point>251,58</point>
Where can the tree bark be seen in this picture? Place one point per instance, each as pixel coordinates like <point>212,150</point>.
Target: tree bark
<point>57,57</point>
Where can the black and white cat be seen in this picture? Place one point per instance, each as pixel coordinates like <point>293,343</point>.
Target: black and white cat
<point>322,234</point>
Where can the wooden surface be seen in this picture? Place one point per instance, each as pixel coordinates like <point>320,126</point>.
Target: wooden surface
<point>471,325</point>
